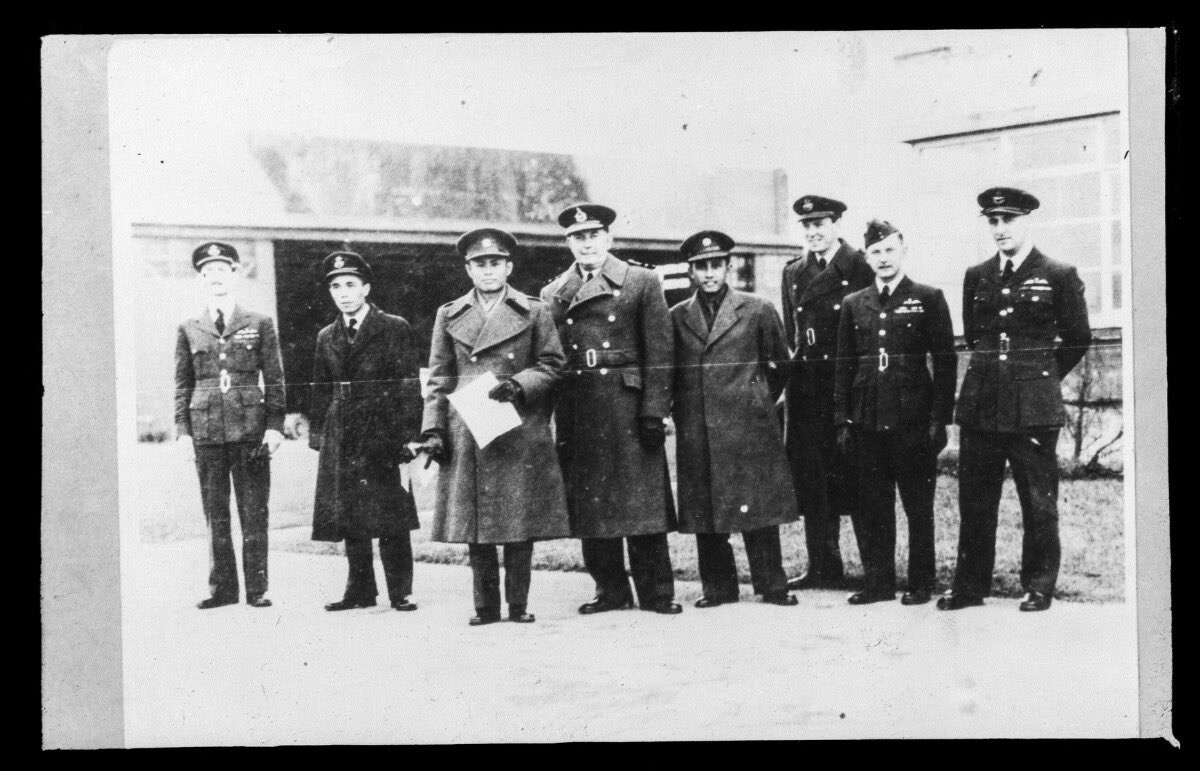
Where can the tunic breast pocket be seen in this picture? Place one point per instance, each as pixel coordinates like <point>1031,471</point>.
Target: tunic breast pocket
<point>1034,303</point>
<point>254,418</point>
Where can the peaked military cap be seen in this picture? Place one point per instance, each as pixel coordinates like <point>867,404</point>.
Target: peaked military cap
<point>1006,200</point>
<point>586,216</point>
<point>706,245</point>
<point>214,250</point>
<point>486,242</point>
<point>877,230</point>
<point>811,207</point>
<point>345,264</point>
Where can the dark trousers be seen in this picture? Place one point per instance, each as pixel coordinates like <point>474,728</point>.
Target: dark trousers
<point>982,455</point>
<point>649,562</point>
<point>217,464</point>
<point>718,571</point>
<point>887,460</point>
<point>485,574</point>
<point>396,554</point>
<point>826,489</point>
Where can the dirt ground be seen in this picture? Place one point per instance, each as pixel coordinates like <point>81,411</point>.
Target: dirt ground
<point>294,674</point>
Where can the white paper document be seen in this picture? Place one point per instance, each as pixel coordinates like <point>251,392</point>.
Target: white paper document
<point>485,418</point>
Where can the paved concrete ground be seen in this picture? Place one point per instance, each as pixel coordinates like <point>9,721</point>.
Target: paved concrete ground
<point>294,674</point>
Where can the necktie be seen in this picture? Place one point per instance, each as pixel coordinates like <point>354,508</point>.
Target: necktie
<point>587,276</point>
<point>352,328</point>
<point>220,322</point>
<point>821,263</point>
<point>1008,270</point>
<point>884,295</point>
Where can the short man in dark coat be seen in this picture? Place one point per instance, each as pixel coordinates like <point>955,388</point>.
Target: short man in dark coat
<point>892,414</point>
<point>366,406</point>
<point>730,360</point>
<point>1016,305</point>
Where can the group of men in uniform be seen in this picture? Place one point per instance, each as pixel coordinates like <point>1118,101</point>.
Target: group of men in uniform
<point>594,366</point>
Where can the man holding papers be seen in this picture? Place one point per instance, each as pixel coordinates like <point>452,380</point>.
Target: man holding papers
<point>500,482</point>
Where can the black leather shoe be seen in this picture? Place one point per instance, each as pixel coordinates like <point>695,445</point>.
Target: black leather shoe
<point>517,613</point>
<point>484,616</point>
<point>603,604</point>
<point>713,602</point>
<point>347,603</point>
<point>215,602</point>
<point>403,604</point>
<point>784,599</point>
<point>258,602</point>
<point>916,597</point>
<point>867,597</point>
<point>1035,601</point>
<point>665,607</point>
<point>957,601</point>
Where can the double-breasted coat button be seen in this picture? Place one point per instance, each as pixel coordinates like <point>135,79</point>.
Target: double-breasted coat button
<point>1005,290</point>
<point>570,321</point>
<point>845,282</point>
<point>1003,357</point>
<point>1036,298</point>
<point>474,358</point>
<point>883,315</point>
<point>222,356</point>
<point>617,293</point>
<point>837,306</point>
<point>575,346</point>
<point>604,344</point>
<point>1010,310</point>
<point>1003,313</point>
<point>603,371</point>
<point>612,318</point>
<point>883,333</point>
<point>745,508</point>
<point>512,356</point>
<point>1045,373</point>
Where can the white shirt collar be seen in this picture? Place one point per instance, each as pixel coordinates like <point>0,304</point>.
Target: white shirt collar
<point>487,305</point>
<point>358,316</point>
<point>1017,258</point>
<point>891,285</point>
<point>828,255</point>
<point>226,308</point>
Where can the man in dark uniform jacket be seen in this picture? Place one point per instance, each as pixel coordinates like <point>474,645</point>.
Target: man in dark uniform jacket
<point>616,332</point>
<point>733,473</point>
<point>509,492</point>
<point>1010,408</point>
<point>230,424</point>
<point>366,407</point>
<point>826,481</point>
<point>892,415</point>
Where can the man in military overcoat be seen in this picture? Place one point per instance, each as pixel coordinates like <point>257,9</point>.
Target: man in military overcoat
<point>826,481</point>
<point>730,360</point>
<point>1016,304</point>
<point>509,492</point>
<point>366,406</point>
<point>615,329</point>
<point>228,423</point>
<point>892,414</point>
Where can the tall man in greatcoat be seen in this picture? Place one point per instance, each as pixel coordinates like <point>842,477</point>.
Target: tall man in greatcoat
<point>227,423</point>
<point>826,481</point>
<point>366,405</point>
<point>1015,305</point>
<point>615,329</point>
<point>509,492</point>
<point>730,360</point>
<point>892,414</point>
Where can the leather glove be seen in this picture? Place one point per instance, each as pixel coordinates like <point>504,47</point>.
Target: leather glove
<point>937,438</point>
<point>435,448</point>
<point>652,433</point>
<point>845,440</point>
<point>507,390</point>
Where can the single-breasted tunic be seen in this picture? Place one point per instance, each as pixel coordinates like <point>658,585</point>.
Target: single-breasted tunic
<point>616,333</point>
<point>732,468</point>
<point>366,404</point>
<point>512,489</point>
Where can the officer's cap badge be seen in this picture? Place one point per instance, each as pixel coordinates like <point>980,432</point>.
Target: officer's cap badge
<point>339,261</point>
<point>808,205</point>
<point>214,251</point>
<point>580,216</point>
<point>707,242</point>
<point>998,199</point>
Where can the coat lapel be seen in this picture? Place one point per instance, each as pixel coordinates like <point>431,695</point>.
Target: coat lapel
<point>237,320</point>
<point>1032,261</point>
<point>509,319</point>
<point>464,321</point>
<point>727,316</point>
<point>370,327</point>
<point>693,318</point>
<point>835,272</point>
<point>612,274</point>
<point>900,295</point>
<point>872,297</point>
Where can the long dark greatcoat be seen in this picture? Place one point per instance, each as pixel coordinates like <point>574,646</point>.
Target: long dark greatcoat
<point>511,490</point>
<point>732,469</point>
<point>366,403</point>
<point>616,333</point>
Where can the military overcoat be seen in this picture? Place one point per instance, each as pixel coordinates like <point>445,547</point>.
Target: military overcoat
<point>1014,379</point>
<point>512,489</point>
<point>616,333</point>
<point>883,380</point>
<point>217,394</point>
<point>732,469</point>
<point>366,404</point>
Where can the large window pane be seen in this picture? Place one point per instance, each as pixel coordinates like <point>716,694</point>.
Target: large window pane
<point>1091,288</point>
<point>1114,193</point>
<point>1057,146</point>
<point>1114,148</point>
<point>1078,245</point>
<point>1116,290</point>
<point>976,159</point>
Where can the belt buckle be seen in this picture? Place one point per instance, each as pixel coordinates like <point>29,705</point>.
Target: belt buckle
<point>810,334</point>
<point>883,361</point>
<point>590,357</point>
<point>1004,342</point>
<point>225,382</point>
